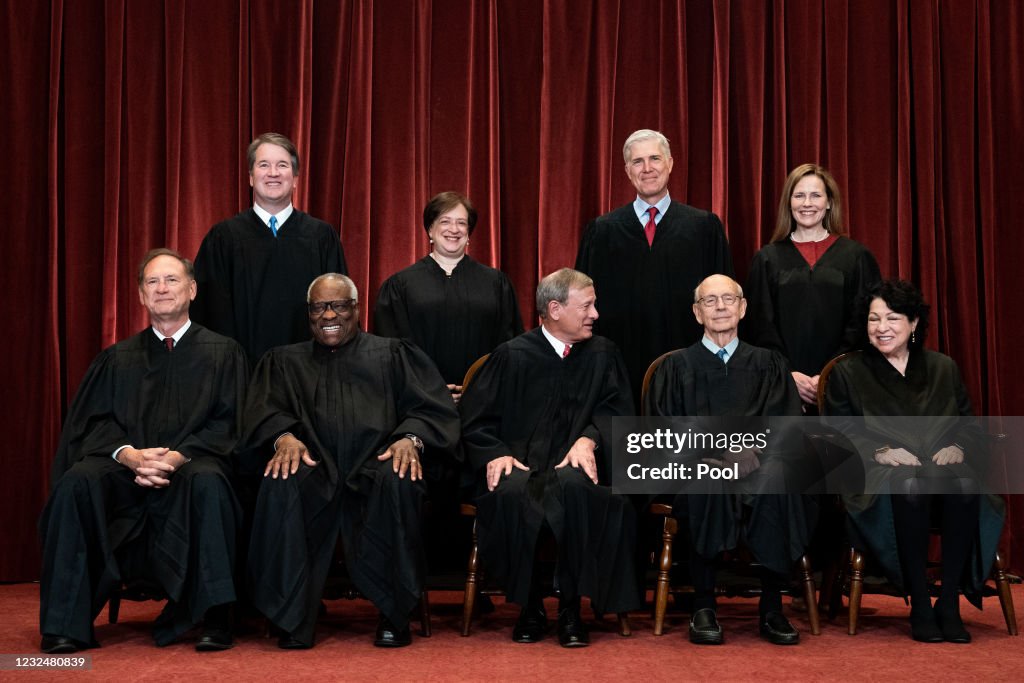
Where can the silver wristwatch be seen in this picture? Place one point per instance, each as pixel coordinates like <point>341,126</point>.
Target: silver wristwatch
<point>416,441</point>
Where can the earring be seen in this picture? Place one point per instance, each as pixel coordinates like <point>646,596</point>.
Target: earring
<point>912,338</point>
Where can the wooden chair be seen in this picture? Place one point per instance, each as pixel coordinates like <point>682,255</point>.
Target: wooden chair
<point>669,529</point>
<point>474,574</point>
<point>855,560</point>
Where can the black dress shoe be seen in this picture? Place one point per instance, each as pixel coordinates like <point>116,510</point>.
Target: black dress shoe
<point>214,640</point>
<point>952,627</point>
<point>705,629</point>
<point>531,625</point>
<point>923,627</point>
<point>287,642</point>
<point>572,632</point>
<point>217,631</point>
<point>388,635</point>
<point>58,645</point>
<point>776,629</point>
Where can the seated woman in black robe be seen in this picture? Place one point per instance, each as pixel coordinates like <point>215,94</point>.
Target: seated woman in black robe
<point>910,460</point>
<point>804,283</point>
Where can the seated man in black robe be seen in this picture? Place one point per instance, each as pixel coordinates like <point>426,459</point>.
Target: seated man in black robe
<point>141,479</point>
<point>537,426</point>
<point>337,426</point>
<point>722,376</point>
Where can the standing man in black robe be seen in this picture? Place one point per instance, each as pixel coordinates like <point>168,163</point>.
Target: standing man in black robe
<point>141,478</point>
<point>646,271</point>
<point>722,376</point>
<point>537,423</point>
<point>337,427</point>
<point>253,269</point>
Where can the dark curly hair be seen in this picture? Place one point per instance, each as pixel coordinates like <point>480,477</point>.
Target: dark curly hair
<point>902,297</point>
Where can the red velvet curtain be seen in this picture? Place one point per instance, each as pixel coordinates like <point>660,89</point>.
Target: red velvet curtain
<point>128,122</point>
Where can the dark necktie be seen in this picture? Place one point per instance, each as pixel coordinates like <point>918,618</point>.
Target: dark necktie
<point>273,225</point>
<point>565,351</point>
<point>169,341</point>
<point>651,225</point>
<point>722,353</point>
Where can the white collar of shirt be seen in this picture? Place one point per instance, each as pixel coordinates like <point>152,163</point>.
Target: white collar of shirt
<point>177,335</point>
<point>714,348</point>
<point>265,215</point>
<point>557,344</point>
<point>640,206</point>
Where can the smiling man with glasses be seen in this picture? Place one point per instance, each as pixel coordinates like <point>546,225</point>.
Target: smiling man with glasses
<point>337,427</point>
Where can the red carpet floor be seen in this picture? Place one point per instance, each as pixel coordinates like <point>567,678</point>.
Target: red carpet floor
<point>882,650</point>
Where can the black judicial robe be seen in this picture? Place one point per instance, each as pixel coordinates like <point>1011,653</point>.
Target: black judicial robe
<point>528,402</point>
<point>347,405</point>
<point>755,382</point>
<point>454,319</point>
<point>645,293</point>
<point>99,528</point>
<point>866,384</point>
<point>252,285</point>
<point>807,313</point>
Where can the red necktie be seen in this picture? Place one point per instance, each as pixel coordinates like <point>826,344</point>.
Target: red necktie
<point>170,343</point>
<point>651,225</point>
<point>565,351</point>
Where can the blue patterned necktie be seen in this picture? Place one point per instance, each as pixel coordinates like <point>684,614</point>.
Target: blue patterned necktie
<point>273,225</point>
<point>722,353</point>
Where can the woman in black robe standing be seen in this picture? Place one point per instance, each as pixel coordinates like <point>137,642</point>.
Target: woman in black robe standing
<point>451,306</point>
<point>804,282</point>
<point>455,309</point>
<point>908,461</point>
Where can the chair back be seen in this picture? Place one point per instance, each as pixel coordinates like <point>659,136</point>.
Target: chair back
<point>473,369</point>
<point>823,378</point>
<point>647,379</point>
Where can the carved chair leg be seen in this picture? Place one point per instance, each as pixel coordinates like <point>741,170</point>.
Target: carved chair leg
<point>469,595</point>
<point>807,578</point>
<point>856,588</point>
<point>1005,597</point>
<point>114,606</point>
<point>624,629</point>
<point>425,614</point>
<point>664,571</point>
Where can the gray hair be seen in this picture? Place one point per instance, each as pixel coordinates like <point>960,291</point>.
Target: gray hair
<point>643,135</point>
<point>556,286</point>
<point>344,279</point>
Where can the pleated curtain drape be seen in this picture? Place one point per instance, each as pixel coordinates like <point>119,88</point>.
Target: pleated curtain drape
<point>128,122</point>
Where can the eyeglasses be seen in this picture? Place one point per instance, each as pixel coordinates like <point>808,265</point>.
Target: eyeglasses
<point>712,300</point>
<point>341,306</point>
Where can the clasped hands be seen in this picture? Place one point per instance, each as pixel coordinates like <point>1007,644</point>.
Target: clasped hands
<point>581,456</point>
<point>950,455</point>
<point>153,467</point>
<point>290,452</point>
<point>747,459</point>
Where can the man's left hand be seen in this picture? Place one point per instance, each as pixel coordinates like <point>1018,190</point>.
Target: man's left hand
<point>581,456</point>
<point>404,458</point>
<point>747,458</point>
<point>157,467</point>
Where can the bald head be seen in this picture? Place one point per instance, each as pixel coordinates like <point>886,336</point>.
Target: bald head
<point>718,305</point>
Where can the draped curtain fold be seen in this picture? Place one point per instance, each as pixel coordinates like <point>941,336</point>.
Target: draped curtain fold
<point>129,121</point>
